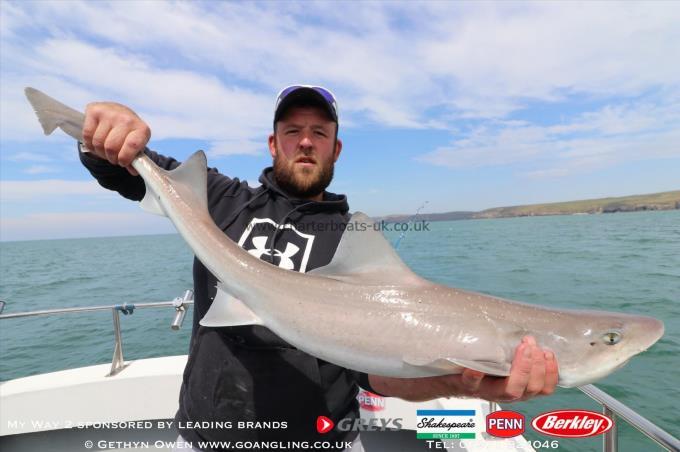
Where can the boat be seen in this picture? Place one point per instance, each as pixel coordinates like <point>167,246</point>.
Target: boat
<point>130,405</point>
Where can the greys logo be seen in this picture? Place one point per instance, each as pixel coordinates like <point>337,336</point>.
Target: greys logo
<point>292,246</point>
<point>370,425</point>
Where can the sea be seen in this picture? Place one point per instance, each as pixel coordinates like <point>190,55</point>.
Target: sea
<point>624,262</point>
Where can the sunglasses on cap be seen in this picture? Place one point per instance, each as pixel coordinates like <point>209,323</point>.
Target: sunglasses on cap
<point>323,93</point>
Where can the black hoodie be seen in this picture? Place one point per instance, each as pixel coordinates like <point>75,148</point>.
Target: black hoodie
<point>248,373</point>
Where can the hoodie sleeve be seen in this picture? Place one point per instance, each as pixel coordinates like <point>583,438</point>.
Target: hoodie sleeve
<point>117,178</point>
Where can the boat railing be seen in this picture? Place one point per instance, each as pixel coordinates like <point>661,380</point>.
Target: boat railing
<point>610,406</point>
<point>117,363</point>
<point>616,410</point>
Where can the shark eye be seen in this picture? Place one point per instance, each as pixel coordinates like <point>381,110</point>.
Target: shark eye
<point>611,337</point>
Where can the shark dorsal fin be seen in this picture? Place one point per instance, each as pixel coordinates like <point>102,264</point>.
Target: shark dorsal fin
<point>191,175</point>
<point>364,256</point>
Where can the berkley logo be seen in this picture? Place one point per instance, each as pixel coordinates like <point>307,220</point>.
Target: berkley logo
<point>323,424</point>
<point>371,402</point>
<point>572,423</point>
<point>505,423</point>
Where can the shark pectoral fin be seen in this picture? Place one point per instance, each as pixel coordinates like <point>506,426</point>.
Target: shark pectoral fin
<point>456,366</point>
<point>229,311</point>
<point>364,257</point>
<point>487,367</point>
<point>433,363</point>
<point>151,204</point>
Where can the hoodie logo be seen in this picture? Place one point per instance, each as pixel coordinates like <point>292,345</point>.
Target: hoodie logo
<point>292,247</point>
<point>285,260</point>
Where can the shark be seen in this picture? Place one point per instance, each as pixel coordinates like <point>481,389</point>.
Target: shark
<point>367,310</point>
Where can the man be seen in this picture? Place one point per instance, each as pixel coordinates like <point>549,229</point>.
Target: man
<point>247,373</point>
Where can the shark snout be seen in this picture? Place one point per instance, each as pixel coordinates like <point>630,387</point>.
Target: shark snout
<point>643,332</point>
<point>653,329</point>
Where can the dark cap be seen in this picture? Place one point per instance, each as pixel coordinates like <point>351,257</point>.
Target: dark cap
<point>305,95</point>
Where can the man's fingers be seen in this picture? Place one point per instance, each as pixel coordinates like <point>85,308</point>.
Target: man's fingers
<point>114,141</point>
<point>520,371</point>
<point>114,132</point>
<point>533,372</point>
<point>89,126</point>
<point>98,140</point>
<point>471,379</point>
<point>551,373</point>
<point>537,375</point>
<point>134,143</point>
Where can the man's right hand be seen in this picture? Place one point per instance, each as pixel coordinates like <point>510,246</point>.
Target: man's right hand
<point>534,372</point>
<point>115,133</point>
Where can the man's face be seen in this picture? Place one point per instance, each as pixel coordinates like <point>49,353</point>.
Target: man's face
<point>304,148</point>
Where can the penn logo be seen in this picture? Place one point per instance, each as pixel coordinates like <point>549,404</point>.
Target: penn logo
<point>572,423</point>
<point>324,424</point>
<point>371,402</point>
<point>505,424</point>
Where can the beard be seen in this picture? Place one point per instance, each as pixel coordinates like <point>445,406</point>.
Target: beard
<point>303,182</point>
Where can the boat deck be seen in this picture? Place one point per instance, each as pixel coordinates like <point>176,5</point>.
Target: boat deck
<point>44,412</point>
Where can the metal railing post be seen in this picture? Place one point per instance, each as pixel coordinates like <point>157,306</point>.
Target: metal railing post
<point>610,442</point>
<point>180,310</point>
<point>117,363</point>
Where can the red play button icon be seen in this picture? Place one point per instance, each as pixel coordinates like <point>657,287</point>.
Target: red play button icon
<point>323,424</point>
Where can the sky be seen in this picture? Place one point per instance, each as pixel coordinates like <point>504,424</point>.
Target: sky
<point>450,105</point>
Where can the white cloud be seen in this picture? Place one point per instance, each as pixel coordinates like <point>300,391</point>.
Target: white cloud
<point>232,147</point>
<point>41,169</point>
<point>606,137</point>
<point>29,157</point>
<point>19,190</point>
<point>81,224</point>
<point>177,103</point>
<point>584,155</point>
<point>548,50</point>
<point>392,61</point>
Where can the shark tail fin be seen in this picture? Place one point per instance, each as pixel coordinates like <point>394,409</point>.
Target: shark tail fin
<point>52,114</point>
<point>190,179</point>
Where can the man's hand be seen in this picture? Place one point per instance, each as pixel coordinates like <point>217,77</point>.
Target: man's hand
<point>115,133</point>
<point>533,373</point>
